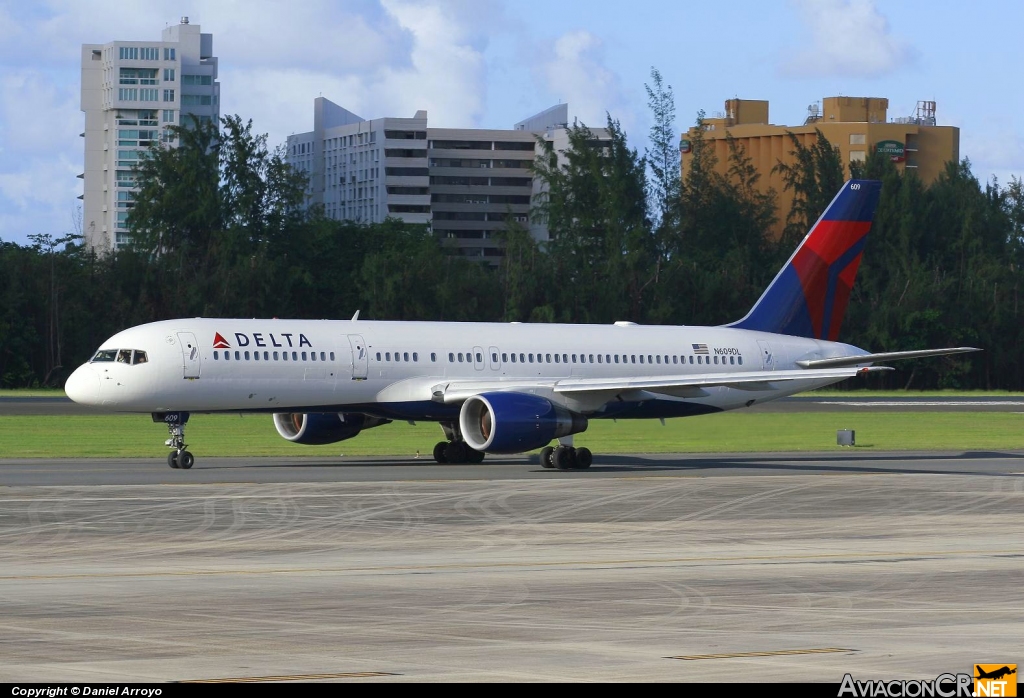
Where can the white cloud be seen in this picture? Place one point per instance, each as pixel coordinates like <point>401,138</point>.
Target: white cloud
<point>574,70</point>
<point>849,38</point>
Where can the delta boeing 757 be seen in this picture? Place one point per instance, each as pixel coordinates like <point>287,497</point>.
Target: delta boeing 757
<point>498,388</point>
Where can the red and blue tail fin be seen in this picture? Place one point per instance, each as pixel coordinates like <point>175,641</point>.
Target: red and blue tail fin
<point>808,297</point>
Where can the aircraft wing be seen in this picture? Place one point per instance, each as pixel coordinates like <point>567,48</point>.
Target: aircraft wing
<point>681,386</point>
<point>885,356</point>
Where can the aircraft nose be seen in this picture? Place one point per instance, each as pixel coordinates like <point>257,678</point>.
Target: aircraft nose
<point>83,386</point>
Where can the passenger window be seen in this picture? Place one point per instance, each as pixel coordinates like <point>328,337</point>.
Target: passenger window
<point>387,356</point>
<point>479,357</point>
<point>556,359</point>
<point>504,357</point>
<point>641,359</point>
<point>592,357</point>
<point>732,360</point>
<point>599,357</point>
<point>124,356</point>
<point>549,358</point>
<point>276,356</point>
<point>616,358</point>
<point>574,358</point>
<point>415,356</point>
<point>284,356</point>
<point>295,356</point>
<point>740,360</point>
<point>650,359</point>
<point>256,355</point>
<point>513,358</point>
<point>322,357</point>
<point>215,357</point>
<point>634,358</point>
<point>675,359</point>
<point>565,358</point>
<point>494,356</point>
<point>227,356</point>
<point>238,356</point>
<point>246,356</point>
<point>378,356</point>
<point>312,356</point>
<point>522,358</point>
<point>531,358</point>
<point>303,356</point>
<point>451,357</point>
<point>691,360</point>
<point>716,360</point>
<point>433,356</point>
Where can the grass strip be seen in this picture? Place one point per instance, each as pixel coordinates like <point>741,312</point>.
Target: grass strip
<point>92,436</point>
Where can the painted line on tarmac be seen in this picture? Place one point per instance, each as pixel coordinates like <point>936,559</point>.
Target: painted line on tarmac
<point>653,561</point>
<point>773,653</point>
<point>925,403</point>
<point>295,677</point>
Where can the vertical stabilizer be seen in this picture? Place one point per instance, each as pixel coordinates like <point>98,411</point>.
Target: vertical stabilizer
<point>808,297</point>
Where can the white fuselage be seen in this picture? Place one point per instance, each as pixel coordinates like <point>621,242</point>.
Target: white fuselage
<point>396,369</point>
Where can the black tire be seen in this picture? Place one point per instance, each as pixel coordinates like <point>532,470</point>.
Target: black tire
<point>474,455</point>
<point>562,458</point>
<point>455,452</point>
<point>584,458</point>
<point>185,460</point>
<point>172,459</point>
<point>439,449</point>
<point>545,457</point>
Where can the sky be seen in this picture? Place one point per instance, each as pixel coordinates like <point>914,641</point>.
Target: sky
<point>490,63</point>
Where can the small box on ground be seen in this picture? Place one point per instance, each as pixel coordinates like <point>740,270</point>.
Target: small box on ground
<point>845,437</point>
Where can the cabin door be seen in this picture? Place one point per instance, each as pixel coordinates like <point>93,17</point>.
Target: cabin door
<point>359,357</point>
<point>189,354</point>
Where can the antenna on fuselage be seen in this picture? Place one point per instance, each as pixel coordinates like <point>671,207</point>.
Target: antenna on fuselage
<point>356,316</point>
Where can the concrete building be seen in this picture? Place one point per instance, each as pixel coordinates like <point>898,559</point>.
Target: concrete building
<point>857,126</point>
<point>131,92</point>
<point>465,183</point>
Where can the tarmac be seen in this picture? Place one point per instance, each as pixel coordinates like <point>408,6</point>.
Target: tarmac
<point>733,567</point>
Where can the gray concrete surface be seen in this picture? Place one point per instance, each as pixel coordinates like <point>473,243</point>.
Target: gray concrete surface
<point>908,564</point>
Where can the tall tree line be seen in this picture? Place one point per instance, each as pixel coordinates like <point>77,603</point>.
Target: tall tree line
<point>218,229</point>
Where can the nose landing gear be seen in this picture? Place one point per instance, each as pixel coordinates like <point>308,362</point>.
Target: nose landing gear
<point>175,421</point>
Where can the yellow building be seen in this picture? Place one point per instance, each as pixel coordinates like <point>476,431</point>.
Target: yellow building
<point>856,125</point>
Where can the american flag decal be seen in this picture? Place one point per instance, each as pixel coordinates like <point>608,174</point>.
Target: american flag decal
<point>700,348</point>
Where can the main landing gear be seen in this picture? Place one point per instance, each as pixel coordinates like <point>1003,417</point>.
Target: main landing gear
<point>566,458</point>
<point>455,450</point>
<point>175,421</point>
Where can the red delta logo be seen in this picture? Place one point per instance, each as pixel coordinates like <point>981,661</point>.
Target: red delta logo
<point>219,342</point>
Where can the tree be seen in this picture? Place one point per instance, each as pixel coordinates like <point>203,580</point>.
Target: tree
<point>814,178</point>
<point>663,157</point>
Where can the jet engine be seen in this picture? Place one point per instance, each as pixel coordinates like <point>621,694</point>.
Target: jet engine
<point>510,422</point>
<point>324,427</point>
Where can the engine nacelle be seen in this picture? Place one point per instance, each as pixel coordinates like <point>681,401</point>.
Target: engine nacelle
<point>515,422</point>
<point>323,428</point>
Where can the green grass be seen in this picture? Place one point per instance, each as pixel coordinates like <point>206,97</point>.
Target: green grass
<point>937,394</point>
<point>254,435</point>
<point>33,392</point>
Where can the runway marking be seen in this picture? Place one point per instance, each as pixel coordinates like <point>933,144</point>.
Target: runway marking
<point>295,677</point>
<point>169,497</point>
<point>511,565</point>
<point>774,653</point>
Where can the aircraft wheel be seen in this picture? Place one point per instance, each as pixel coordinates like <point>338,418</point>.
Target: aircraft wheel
<point>584,458</point>
<point>545,457</point>
<point>185,460</point>
<point>172,459</point>
<point>439,450</point>
<point>474,455</point>
<point>455,452</point>
<point>563,458</point>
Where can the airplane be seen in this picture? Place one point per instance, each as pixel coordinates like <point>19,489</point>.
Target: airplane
<point>995,674</point>
<point>499,388</point>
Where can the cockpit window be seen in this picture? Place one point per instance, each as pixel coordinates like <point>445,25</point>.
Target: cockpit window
<point>122,356</point>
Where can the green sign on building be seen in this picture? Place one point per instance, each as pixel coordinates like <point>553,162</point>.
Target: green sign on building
<point>894,149</point>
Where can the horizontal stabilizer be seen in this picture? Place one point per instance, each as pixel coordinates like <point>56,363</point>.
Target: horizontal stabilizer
<point>841,361</point>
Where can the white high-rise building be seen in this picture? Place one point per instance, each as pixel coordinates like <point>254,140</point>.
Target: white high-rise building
<point>131,91</point>
<point>467,184</point>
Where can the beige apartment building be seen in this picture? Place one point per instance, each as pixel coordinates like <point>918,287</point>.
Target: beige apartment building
<point>857,126</point>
